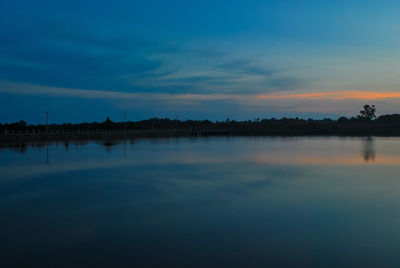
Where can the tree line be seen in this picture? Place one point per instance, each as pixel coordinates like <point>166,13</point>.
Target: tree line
<point>366,123</point>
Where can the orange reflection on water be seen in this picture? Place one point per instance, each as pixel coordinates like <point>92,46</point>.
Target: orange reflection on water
<point>322,160</point>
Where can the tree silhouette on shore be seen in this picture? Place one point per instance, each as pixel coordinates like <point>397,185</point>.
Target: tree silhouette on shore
<point>364,124</point>
<point>368,112</point>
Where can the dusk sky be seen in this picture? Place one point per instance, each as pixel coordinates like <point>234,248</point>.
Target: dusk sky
<point>86,60</point>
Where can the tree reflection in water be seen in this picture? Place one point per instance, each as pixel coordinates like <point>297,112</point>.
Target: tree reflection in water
<point>368,149</point>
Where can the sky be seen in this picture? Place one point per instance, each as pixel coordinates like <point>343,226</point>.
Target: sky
<point>86,60</point>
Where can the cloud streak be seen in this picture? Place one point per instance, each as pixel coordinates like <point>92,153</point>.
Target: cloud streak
<point>76,56</point>
<point>28,89</point>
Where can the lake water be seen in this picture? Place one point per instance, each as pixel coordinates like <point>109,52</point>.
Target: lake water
<point>213,202</point>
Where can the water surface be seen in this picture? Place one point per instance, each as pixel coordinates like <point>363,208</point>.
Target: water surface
<point>214,202</point>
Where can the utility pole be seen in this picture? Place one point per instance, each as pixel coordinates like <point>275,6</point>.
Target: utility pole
<point>124,122</point>
<point>47,122</point>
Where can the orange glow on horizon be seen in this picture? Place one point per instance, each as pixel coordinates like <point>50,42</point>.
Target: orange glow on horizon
<point>336,95</point>
<point>28,89</point>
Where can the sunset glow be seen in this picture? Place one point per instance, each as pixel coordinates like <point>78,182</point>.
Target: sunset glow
<point>240,61</point>
<point>338,95</point>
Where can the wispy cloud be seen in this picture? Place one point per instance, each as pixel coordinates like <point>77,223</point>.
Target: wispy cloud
<point>68,55</point>
<point>246,67</point>
<point>29,89</point>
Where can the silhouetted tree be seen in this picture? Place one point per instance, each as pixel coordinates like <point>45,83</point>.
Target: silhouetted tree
<point>368,112</point>
<point>108,123</point>
<point>108,120</point>
<point>342,120</point>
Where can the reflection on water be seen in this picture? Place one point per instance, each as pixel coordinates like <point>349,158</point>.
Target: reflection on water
<point>216,202</point>
<point>47,154</point>
<point>289,155</point>
<point>108,145</point>
<point>369,150</point>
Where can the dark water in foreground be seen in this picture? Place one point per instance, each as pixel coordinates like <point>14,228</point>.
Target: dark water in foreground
<point>218,202</point>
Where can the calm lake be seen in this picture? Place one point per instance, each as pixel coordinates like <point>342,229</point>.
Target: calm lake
<point>207,202</point>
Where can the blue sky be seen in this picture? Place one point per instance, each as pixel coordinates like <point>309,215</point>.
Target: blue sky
<point>85,60</point>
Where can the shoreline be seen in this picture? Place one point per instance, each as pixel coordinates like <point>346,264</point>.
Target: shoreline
<point>109,136</point>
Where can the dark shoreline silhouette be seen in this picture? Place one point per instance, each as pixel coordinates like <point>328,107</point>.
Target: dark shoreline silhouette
<point>20,132</point>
